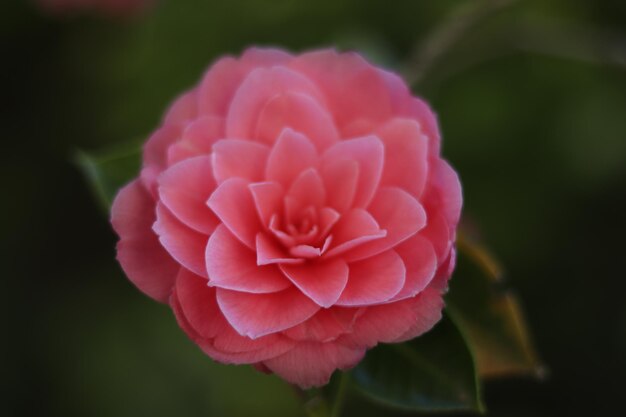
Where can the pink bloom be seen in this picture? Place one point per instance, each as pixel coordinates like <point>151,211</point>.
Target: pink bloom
<point>294,211</point>
<point>107,7</point>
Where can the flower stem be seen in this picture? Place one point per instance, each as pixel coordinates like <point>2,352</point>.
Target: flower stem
<point>340,398</point>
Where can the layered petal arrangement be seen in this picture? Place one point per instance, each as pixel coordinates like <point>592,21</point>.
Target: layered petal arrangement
<point>294,211</point>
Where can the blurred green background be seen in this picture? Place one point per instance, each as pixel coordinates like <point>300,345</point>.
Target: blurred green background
<point>532,104</point>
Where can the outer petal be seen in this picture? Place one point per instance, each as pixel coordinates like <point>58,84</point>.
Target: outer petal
<point>184,109</point>
<point>393,322</point>
<point>323,282</point>
<point>420,261</point>
<point>256,315</point>
<point>311,364</point>
<point>292,154</point>
<point>257,89</point>
<point>397,212</point>
<point>353,88</point>
<point>222,80</point>
<point>239,158</point>
<point>374,280</point>
<point>233,204</point>
<point>198,303</point>
<point>155,153</point>
<point>181,242</point>
<point>233,266</point>
<point>325,326</point>
<point>197,139</point>
<point>406,156</point>
<point>142,257</point>
<point>445,192</point>
<point>369,153</point>
<point>184,189</point>
<point>300,112</point>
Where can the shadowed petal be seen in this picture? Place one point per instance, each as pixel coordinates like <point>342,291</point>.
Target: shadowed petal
<point>292,154</point>
<point>239,158</point>
<point>323,282</point>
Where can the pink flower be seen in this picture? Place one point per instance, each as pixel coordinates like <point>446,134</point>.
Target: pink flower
<point>294,211</point>
<point>107,7</point>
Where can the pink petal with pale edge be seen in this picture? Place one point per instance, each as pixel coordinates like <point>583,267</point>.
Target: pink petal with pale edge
<point>369,153</point>
<point>299,112</point>
<point>268,199</point>
<point>139,252</point>
<point>340,180</point>
<point>292,153</point>
<point>197,139</point>
<point>322,281</point>
<point>311,364</point>
<point>182,243</point>
<point>256,315</point>
<point>352,229</point>
<point>184,189</point>
<point>261,85</point>
<point>406,156</point>
<point>374,280</point>
<point>308,189</point>
<point>420,261</point>
<point>353,88</point>
<point>396,211</point>
<point>232,202</point>
<point>198,303</point>
<point>239,158</point>
<point>232,265</point>
<point>184,109</point>
<point>325,326</point>
<point>269,252</point>
<point>390,323</point>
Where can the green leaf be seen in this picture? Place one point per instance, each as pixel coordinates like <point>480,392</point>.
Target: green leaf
<point>107,172</point>
<point>490,315</point>
<point>434,372</point>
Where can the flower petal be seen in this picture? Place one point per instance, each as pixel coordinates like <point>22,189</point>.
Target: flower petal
<point>311,364</point>
<point>184,189</point>
<point>198,302</point>
<point>397,212</point>
<point>406,156</point>
<point>369,153</point>
<point>268,199</point>
<point>340,180</point>
<point>256,90</point>
<point>239,158</point>
<point>308,189</point>
<point>182,243</point>
<point>353,88</point>
<point>292,154</point>
<point>184,109</point>
<point>232,202</point>
<point>139,252</point>
<point>323,282</point>
<point>354,228</point>
<point>232,265</point>
<point>325,326</point>
<point>299,112</point>
<point>268,252</point>
<point>256,315</point>
<point>397,321</point>
<point>445,192</point>
<point>374,280</point>
<point>197,139</point>
<point>420,261</point>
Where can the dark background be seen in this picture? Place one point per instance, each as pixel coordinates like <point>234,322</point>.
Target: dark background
<point>532,104</point>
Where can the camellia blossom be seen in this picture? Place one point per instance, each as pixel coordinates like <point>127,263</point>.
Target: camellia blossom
<point>294,211</point>
<point>107,7</point>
